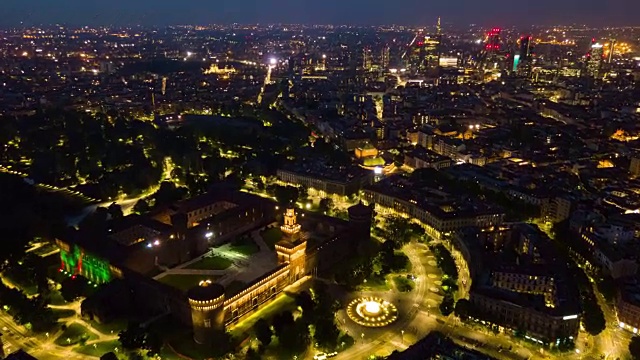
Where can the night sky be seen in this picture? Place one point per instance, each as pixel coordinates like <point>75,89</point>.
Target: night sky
<point>365,12</point>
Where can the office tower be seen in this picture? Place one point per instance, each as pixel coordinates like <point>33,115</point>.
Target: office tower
<point>612,46</point>
<point>522,60</point>
<point>367,59</point>
<point>385,57</point>
<point>432,47</point>
<point>424,50</point>
<point>594,59</point>
<point>492,43</point>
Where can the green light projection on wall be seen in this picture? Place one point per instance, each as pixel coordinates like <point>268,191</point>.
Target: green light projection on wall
<point>91,267</point>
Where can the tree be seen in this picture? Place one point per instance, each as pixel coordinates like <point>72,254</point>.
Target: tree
<point>142,206</point>
<point>326,204</point>
<point>286,195</point>
<point>169,193</point>
<point>463,309</point>
<point>263,332</point>
<point>115,211</point>
<point>295,337</point>
<point>607,287</point>
<point>398,231</point>
<point>96,222</point>
<point>252,354</point>
<point>71,288</point>
<point>446,306</point>
<point>153,343</point>
<point>634,347</point>
<point>327,333</point>
<point>593,318</point>
<point>305,302</point>
<point>133,337</point>
<point>281,321</point>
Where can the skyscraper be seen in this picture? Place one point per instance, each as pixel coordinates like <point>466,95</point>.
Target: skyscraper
<point>423,52</point>
<point>385,57</point>
<point>594,59</point>
<point>612,47</point>
<point>522,60</point>
<point>367,59</point>
<point>492,43</point>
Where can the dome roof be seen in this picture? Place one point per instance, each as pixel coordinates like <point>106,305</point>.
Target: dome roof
<point>360,210</point>
<point>207,290</point>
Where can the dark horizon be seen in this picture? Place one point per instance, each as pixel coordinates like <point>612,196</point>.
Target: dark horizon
<point>356,12</point>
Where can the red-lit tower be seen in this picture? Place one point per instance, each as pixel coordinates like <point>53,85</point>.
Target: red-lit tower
<point>492,43</point>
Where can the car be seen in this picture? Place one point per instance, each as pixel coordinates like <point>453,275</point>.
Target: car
<point>325,356</point>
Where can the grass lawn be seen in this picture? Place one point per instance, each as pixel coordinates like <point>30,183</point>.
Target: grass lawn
<point>74,334</point>
<point>211,263</point>
<point>63,313</point>
<point>185,346</point>
<point>283,302</point>
<point>375,284</point>
<point>184,282</point>
<point>98,349</point>
<point>245,246</point>
<point>109,328</point>
<point>271,237</point>
<point>56,298</point>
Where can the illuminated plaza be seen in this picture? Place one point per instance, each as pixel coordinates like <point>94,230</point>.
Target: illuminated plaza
<point>372,312</point>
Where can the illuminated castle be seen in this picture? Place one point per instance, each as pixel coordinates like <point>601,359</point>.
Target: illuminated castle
<point>292,248</point>
<point>135,246</point>
<point>211,311</point>
<point>207,310</point>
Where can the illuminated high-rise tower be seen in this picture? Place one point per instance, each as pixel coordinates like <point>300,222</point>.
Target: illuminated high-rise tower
<point>611,48</point>
<point>522,60</point>
<point>367,59</point>
<point>594,59</point>
<point>423,52</point>
<point>385,57</point>
<point>492,43</point>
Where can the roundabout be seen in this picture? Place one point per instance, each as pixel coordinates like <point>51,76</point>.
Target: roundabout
<point>372,312</point>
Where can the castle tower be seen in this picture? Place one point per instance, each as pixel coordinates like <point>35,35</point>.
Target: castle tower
<point>207,311</point>
<point>292,248</point>
<point>360,220</point>
<point>291,228</point>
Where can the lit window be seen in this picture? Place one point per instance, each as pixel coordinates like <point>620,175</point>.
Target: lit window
<point>207,323</point>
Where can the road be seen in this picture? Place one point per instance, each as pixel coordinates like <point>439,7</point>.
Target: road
<point>42,346</point>
<point>370,341</point>
<point>267,81</point>
<point>419,316</point>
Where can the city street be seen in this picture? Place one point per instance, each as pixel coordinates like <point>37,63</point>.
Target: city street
<point>419,315</point>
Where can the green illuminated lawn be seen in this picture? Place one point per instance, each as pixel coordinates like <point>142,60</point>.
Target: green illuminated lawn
<point>374,284</point>
<point>74,334</point>
<point>271,237</point>
<point>184,282</point>
<point>98,349</point>
<point>63,313</point>
<point>245,246</point>
<point>211,263</point>
<point>283,302</point>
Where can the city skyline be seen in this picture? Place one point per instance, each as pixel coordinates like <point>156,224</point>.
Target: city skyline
<point>357,12</point>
